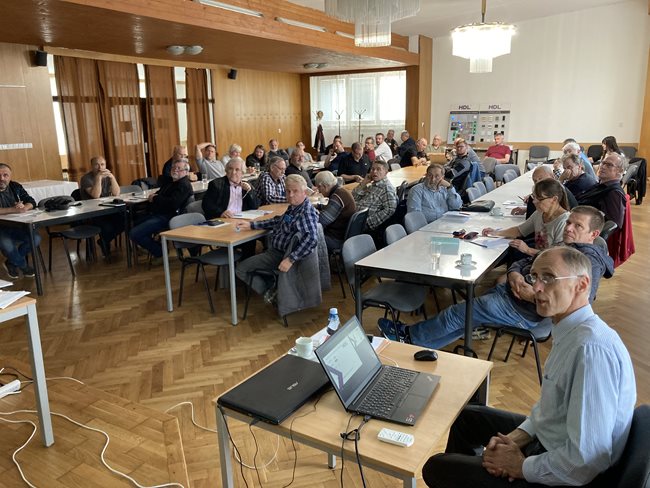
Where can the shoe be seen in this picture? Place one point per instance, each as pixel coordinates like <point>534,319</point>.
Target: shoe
<point>481,334</point>
<point>12,270</point>
<point>28,271</point>
<point>271,296</point>
<point>394,331</point>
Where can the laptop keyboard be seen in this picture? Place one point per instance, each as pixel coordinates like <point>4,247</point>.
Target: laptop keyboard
<point>387,391</point>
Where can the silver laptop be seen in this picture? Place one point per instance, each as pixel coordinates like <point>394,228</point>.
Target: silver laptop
<point>367,387</point>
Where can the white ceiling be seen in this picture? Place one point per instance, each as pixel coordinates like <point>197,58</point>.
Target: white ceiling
<point>438,17</point>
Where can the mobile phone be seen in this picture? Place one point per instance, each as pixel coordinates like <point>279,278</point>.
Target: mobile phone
<point>459,233</point>
<point>471,235</point>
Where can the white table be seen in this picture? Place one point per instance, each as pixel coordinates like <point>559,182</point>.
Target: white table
<point>40,189</point>
<point>27,307</point>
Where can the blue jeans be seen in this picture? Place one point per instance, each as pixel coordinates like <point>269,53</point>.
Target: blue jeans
<point>142,234</point>
<point>495,307</point>
<point>15,245</point>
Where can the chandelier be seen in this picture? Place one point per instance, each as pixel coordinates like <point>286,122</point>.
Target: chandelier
<point>482,42</point>
<point>371,18</point>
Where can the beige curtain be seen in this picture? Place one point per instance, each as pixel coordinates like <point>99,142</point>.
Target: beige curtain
<point>198,115</point>
<point>121,117</point>
<point>78,89</point>
<point>162,115</point>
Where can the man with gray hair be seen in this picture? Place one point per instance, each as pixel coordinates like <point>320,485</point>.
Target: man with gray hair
<point>574,177</point>
<point>377,194</point>
<point>579,427</point>
<point>335,215</point>
<point>571,146</point>
<point>234,151</point>
<point>608,196</point>
<point>271,188</point>
<point>300,217</point>
<point>229,195</point>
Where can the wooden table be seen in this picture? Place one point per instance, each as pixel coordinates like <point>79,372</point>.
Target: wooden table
<point>223,236</point>
<point>27,307</point>
<point>460,376</point>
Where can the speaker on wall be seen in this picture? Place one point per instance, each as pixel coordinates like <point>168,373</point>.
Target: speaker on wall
<point>40,58</point>
<point>232,74</point>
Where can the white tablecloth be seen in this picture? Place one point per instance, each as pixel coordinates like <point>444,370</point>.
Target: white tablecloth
<point>40,189</point>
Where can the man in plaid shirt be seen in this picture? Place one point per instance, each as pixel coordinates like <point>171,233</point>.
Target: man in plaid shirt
<point>271,188</point>
<point>377,194</point>
<point>300,217</point>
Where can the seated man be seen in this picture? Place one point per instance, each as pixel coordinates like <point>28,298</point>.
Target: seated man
<point>571,146</point>
<point>511,303</point>
<point>580,425</point>
<point>574,177</point>
<point>301,217</point>
<point>382,151</point>
<point>329,147</point>
<point>275,150</point>
<point>179,153</point>
<point>434,196</point>
<point>234,151</point>
<point>391,142</point>
<point>335,155</point>
<point>206,160</point>
<point>355,165</point>
<point>377,194</point>
<point>334,216</point>
<point>458,168</point>
<point>229,195</point>
<point>369,149</point>
<point>173,195</point>
<point>499,150</point>
<point>270,188</point>
<point>407,142</point>
<point>414,155</point>
<point>296,167</point>
<point>15,242</point>
<point>306,157</point>
<point>608,196</point>
<point>98,183</point>
<point>436,146</point>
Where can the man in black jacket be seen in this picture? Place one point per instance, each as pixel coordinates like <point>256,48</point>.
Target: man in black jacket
<point>174,193</point>
<point>229,195</point>
<point>15,243</point>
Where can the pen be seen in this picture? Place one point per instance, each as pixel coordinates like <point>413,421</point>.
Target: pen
<point>477,244</point>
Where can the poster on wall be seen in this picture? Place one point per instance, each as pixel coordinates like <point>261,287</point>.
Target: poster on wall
<point>477,123</point>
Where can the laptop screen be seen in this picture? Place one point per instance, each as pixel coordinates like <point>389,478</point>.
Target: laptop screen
<point>349,360</point>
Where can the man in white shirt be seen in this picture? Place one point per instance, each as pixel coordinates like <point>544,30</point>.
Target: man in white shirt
<point>382,151</point>
<point>579,427</point>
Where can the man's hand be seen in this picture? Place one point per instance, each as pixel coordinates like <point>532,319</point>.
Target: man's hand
<point>503,457</point>
<point>245,186</point>
<point>242,225</point>
<point>520,288</point>
<point>285,265</point>
<point>21,208</point>
<point>358,178</point>
<point>488,231</point>
<point>192,176</point>
<point>227,214</point>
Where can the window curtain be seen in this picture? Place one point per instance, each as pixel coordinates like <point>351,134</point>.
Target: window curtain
<point>101,114</point>
<point>198,115</point>
<point>121,118</point>
<point>78,90</point>
<point>162,115</point>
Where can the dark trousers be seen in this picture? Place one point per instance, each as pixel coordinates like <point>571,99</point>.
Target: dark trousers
<point>110,225</point>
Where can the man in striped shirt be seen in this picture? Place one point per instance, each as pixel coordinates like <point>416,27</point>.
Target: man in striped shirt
<point>271,187</point>
<point>377,194</point>
<point>300,217</point>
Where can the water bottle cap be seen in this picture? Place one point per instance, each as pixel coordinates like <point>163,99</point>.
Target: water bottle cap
<point>334,310</point>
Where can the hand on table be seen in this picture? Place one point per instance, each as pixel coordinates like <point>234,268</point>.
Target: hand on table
<point>242,225</point>
<point>518,211</point>
<point>227,214</point>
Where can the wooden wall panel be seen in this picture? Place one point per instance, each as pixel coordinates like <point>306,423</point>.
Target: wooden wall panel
<point>27,116</point>
<point>418,92</point>
<point>644,137</point>
<point>256,107</point>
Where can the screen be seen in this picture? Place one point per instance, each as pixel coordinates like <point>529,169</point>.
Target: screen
<point>349,360</point>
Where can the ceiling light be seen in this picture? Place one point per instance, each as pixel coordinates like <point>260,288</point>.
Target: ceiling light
<point>193,50</point>
<point>372,18</point>
<point>310,65</point>
<point>231,8</point>
<point>322,65</point>
<point>482,42</point>
<point>176,50</point>
<point>304,25</point>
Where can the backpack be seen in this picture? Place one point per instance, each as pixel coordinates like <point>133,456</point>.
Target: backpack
<point>57,203</point>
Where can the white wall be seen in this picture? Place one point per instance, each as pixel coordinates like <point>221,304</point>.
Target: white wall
<point>580,74</point>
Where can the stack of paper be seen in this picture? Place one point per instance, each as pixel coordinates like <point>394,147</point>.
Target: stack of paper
<point>4,283</point>
<point>490,242</point>
<point>252,214</point>
<point>9,297</point>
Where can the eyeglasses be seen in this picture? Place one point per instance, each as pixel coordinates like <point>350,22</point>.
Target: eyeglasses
<point>547,280</point>
<point>538,199</point>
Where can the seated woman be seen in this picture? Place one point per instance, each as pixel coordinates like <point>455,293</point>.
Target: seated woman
<point>611,146</point>
<point>547,221</point>
<point>257,159</point>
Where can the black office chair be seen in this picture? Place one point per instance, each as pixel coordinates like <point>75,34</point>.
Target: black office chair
<point>356,225</point>
<point>609,227</point>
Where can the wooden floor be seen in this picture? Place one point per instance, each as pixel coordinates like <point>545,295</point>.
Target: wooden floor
<point>109,329</point>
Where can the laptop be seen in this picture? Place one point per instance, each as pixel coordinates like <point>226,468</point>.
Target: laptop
<point>367,387</point>
<point>278,390</point>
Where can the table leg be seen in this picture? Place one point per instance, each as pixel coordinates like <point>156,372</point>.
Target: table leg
<point>468,320</point>
<point>331,461</point>
<point>38,371</point>
<point>37,272</point>
<point>483,390</point>
<point>127,241</point>
<point>358,309</point>
<point>410,483</point>
<point>224,451</point>
<point>168,281</point>
<point>233,284</point>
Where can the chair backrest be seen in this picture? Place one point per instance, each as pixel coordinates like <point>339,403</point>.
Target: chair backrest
<point>602,243</point>
<point>489,164</point>
<point>414,221</point>
<point>183,207</point>
<point>489,183</point>
<point>629,151</point>
<point>609,227</point>
<point>538,152</point>
<point>395,166</point>
<point>131,189</point>
<point>357,223</point>
<point>595,152</point>
<point>394,233</point>
<point>480,186</point>
<point>509,176</point>
<point>76,194</point>
<point>500,170</point>
<point>401,191</point>
<point>146,183</point>
<point>182,221</point>
<point>355,249</point>
<point>633,469</point>
<point>195,207</point>
<point>473,194</point>
<point>629,173</point>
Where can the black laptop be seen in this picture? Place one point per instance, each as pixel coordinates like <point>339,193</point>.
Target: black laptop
<point>278,390</point>
<point>367,387</point>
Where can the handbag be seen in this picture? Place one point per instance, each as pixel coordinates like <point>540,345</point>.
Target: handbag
<point>479,206</point>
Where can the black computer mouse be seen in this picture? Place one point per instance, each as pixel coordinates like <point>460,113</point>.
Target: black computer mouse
<point>117,201</point>
<point>425,355</point>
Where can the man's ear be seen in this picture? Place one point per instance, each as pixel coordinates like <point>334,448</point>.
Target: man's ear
<point>584,284</point>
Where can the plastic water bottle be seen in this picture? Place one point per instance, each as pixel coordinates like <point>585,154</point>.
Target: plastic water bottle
<point>333,324</point>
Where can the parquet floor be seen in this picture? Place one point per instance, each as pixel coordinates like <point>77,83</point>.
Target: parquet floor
<point>109,329</point>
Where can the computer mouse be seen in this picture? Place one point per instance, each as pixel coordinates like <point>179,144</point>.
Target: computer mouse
<point>118,201</point>
<point>425,355</point>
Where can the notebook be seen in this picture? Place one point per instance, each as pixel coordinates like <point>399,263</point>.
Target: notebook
<point>364,385</point>
<point>278,390</point>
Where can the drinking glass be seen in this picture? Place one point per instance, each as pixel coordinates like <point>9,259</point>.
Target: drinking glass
<point>204,180</point>
<point>436,251</point>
